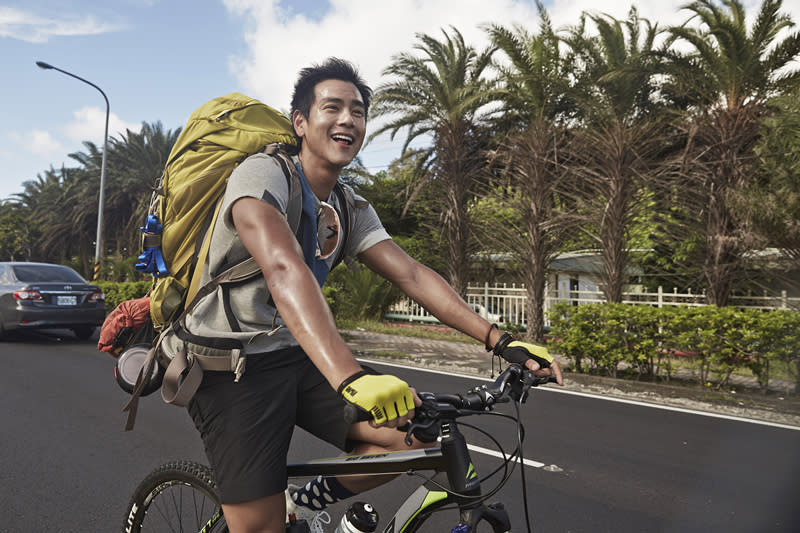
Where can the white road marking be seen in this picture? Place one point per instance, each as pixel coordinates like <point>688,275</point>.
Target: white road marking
<point>495,453</point>
<point>676,409</point>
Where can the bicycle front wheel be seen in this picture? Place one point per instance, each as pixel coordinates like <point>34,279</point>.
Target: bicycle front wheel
<point>177,496</point>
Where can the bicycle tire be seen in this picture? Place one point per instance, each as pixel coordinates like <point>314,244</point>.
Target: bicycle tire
<point>177,496</point>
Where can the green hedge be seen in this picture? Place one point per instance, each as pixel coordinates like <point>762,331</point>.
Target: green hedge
<point>647,341</point>
<point>117,292</point>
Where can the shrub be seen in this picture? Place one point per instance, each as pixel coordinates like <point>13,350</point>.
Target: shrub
<point>118,292</point>
<point>717,341</point>
<point>358,294</point>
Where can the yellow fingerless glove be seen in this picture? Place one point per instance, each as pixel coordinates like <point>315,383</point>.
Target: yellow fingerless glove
<point>518,352</point>
<point>385,397</point>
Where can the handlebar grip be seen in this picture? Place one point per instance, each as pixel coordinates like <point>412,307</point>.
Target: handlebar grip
<point>353,414</point>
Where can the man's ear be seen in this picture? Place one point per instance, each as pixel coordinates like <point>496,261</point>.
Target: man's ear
<point>299,123</point>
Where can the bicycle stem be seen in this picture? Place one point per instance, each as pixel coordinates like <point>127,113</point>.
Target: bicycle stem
<point>461,473</point>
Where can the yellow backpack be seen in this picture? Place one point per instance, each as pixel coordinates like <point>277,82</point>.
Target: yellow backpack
<point>218,136</point>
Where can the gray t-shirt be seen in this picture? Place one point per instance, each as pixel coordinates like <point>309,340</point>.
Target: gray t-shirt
<point>260,177</point>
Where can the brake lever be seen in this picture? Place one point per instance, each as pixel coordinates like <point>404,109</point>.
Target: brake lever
<point>421,431</point>
<point>519,387</point>
<point>522,387</point>
<point>529,381</point>
<point>428,412</point>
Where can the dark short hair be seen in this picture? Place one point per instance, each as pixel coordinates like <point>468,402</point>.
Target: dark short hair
<point>332,69</point>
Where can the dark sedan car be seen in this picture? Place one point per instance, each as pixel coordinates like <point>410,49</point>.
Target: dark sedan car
<point>41,296</point>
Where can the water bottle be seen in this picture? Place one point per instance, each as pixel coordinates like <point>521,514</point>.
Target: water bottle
<point>360,518</point>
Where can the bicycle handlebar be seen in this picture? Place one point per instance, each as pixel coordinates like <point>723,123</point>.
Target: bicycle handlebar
<point>513,383</point>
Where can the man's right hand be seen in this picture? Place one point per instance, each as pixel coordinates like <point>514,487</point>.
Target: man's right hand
<point>387,398</point>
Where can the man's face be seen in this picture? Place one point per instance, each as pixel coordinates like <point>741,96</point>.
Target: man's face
<point>334,130</point>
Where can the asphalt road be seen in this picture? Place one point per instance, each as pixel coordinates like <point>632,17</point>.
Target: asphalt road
<point>598,465</point>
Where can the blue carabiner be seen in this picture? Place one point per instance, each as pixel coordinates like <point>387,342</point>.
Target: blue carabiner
<point>151,261</point>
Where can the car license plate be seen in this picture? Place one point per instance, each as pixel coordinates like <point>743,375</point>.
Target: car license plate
<point>67,300</point>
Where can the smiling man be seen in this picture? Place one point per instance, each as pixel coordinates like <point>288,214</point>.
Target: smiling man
<point>299,369</point>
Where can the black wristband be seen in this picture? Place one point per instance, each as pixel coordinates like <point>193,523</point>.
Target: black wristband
<point>502,343</point>
<point>349,380</point>
<point>489,334</point>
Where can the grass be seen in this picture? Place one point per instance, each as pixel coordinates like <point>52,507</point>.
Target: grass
<point>423,331</point>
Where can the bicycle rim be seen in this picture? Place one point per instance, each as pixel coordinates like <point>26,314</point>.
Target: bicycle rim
<point>179,496</point>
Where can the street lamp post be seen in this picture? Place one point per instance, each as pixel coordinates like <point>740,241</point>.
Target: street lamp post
<point>99,244</point>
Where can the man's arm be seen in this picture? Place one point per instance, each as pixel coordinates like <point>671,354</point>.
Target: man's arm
<point>432,292</point>
<point>267,236</point>
<point>427,288</point>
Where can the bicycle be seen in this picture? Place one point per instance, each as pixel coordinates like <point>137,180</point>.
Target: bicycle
<point>181,495</point>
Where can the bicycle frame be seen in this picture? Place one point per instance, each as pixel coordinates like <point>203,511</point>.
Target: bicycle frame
<point>455,483</point>
<point>454,469</point>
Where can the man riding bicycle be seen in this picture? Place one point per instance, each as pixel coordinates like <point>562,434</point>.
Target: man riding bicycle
<point>299,369</point>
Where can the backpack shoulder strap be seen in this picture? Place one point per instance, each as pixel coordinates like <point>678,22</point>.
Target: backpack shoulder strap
<point>347,199</point>
<point>294,207</point>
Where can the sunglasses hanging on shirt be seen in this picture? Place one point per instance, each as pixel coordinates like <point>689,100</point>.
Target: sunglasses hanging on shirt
<point>328,230</point>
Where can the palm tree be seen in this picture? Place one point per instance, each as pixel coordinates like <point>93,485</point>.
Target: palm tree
<point>619,140</point>
<point>59,202</point>
<point>134,162</point>
<point>64,202</point>
<point>18,233</point>
<point>727,78</point>
<point>531,175</point>
<point>137,160</point>
<point>441,93</point>
<point>775,204</point>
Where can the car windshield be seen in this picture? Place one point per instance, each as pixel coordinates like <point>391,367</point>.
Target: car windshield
<point>45,273</point>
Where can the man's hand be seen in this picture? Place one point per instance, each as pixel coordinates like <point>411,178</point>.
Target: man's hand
<point>534,357</point>
<point>387,398</point>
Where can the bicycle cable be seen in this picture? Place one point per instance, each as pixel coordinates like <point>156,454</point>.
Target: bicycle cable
<point>500,449</point>
<point>520,438</point>
<point>511,458</point>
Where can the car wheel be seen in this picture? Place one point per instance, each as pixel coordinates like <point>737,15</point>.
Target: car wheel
<point>83,333</point>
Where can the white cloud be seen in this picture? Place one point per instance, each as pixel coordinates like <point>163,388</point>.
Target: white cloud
<point>39,142</point>
<point>26,26</point>
<point>44,144</point>
<point>89,125</point>
<point>366,32</point>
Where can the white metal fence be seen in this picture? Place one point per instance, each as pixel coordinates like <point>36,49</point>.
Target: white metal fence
<point>506,303</point>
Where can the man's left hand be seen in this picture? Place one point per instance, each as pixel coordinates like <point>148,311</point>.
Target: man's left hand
<point>534,357</point>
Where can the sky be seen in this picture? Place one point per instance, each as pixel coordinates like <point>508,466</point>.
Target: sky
<point>158,60</point>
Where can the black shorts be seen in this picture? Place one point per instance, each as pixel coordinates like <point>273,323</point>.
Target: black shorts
<point>247,426</point>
